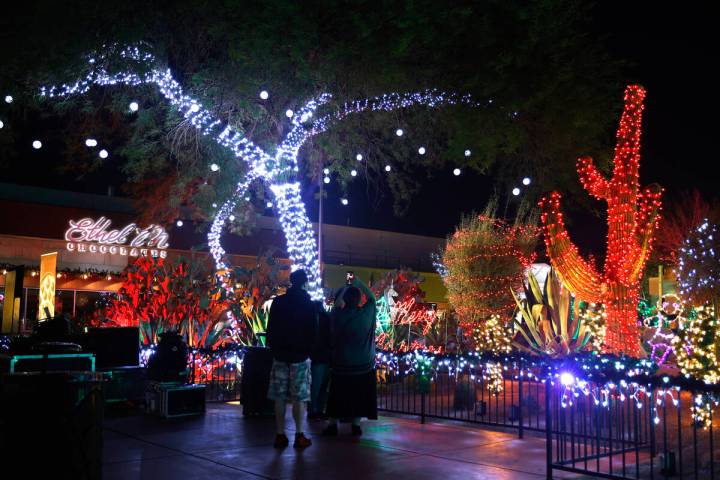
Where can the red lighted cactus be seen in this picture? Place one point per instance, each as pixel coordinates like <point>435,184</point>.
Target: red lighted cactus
<point>632,218</point>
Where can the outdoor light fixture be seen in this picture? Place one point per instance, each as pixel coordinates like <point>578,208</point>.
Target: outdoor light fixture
<point>421,150</point>
<point>468,153</point>
<point>179,223</point>
<point>214,167</point>
<point>457,172</point>
<point>344,201</point>
<point>134,106</point>
<point>264,95</point>
<point>37,144</point>
<point>567,379</point>
<point>103,154</point>
<point>289,113</point>
<point>359,157</point>
<point>8,99</point>
<point>399,132</point>
<point>526,181</point>
<point>516,191</point>
<point>353,172</point>
<point>91,142</point>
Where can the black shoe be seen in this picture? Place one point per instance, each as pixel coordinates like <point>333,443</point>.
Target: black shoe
<point>331,430</point>
<point>356,430</point>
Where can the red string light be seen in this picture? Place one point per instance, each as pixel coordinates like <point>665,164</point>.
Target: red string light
<point>633,217</point>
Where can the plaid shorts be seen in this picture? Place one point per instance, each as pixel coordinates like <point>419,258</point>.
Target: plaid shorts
<point>290,381</point>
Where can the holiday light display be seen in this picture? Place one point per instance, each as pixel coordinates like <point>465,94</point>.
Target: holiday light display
<point>492,336</point>
<point>633,216</point>
<point>279,169</point>
<point>484,260</point>
<point>697,347</point>
<point>699,264</point>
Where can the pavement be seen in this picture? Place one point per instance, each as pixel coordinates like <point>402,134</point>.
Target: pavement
<point>223,444</point>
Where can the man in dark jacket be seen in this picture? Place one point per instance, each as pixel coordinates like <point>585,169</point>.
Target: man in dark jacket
<point>291,332</point>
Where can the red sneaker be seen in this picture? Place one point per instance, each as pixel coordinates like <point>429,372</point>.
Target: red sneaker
<point>281,441</point>
<point>301,441</point>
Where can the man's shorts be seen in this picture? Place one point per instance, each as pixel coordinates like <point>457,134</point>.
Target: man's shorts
<point>290,381</point>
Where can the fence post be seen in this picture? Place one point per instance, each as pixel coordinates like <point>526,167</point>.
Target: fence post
<point>422,406</point>
<point>548,429</point>
<point>520,402</point>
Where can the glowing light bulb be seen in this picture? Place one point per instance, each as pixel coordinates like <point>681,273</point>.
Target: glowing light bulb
<point>231,218</point>
<point>1,124</point>
<point>214,205</point>
<point>516,191</point>
<point>37,144</point>
<point>388,168</point>
<point>344,201</point>
<point>326,171</point>
<point>468,153</point>
<point>567,379</point>
<point>326,179</point>
<point>214,167</point>
<point>289,113</point>
<point>103,154</point>
<point>8,99</point>
<point>269,204</point>
<point>353,173</point>
<point>421,150</point>
<point>359,157</point>
<point>264,95</point>
<point>457,172</point>
<point>134,106</point>
<point>399,132</point>
<point>194,108</point>
<point>526,181</point>
<point>179,223</point>
<point>91,142</point>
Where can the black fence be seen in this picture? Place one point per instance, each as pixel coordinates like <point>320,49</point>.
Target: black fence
<point>220,375</point>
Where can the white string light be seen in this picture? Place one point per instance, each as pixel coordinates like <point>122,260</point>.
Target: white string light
<point>91,142</point>
<point>344,201</point>
<point>134,106</point>
<point>8,99</point>
<point>421,150</point>
<point>516,191</point>
<point>526,181</point>
<point>359,157</point>
<point>1,124</point>
<point>277,169</point>
<point>399,132</point>
<point>468,153</point>
<point>353,172</point>
<point>103,154</point>
<point>37,144</point>
<point>214,167</point>
<point>179,223</point>
<point>289,113</point>
<point>457,172</point>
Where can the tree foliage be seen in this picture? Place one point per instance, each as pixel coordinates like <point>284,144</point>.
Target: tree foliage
<point>551,86</point>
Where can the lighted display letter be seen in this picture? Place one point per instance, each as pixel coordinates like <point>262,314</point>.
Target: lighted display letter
<point>91,235</point>
<point>48,270</point>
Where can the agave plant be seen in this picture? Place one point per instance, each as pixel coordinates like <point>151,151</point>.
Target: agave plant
<point>548,320</point>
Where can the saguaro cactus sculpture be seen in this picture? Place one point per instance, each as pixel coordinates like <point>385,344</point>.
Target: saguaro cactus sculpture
<point>632,217</point>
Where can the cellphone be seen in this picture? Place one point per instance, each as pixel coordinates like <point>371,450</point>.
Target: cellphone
<point>349,277</point>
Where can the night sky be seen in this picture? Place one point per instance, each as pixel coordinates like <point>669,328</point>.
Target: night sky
<point>668,49</point>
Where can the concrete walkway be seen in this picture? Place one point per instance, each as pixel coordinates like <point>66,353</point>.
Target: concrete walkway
<point>222,444</point>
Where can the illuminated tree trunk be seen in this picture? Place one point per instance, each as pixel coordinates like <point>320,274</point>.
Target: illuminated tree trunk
<point>632,217</point>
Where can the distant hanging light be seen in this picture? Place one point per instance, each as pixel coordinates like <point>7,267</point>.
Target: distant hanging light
<point>269,204</point>
<point>214,205</point>
<point>468,153</point>
<point>421,150</point>
<point>516,191</point>
<point>388,168</point>
<point>8,99</point>
<point>326,179</point>
<point>214,167</point>
<point>289,113</point>
<point>91,142</point>
<point>1,124</point>
<point>264,95</point>
<point>103,154</point>
<point>526,181</point>
<point>194,108</point>
<point>359,157</point>
<point>326,171</point>
<point>179,223</point>
<point>134,106</point>
<point>344,201</point>
<point>457,172</point>
<point>231,218</point>
<point>353,172</point>
<point>399,132</point>
<point>36,144</point>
